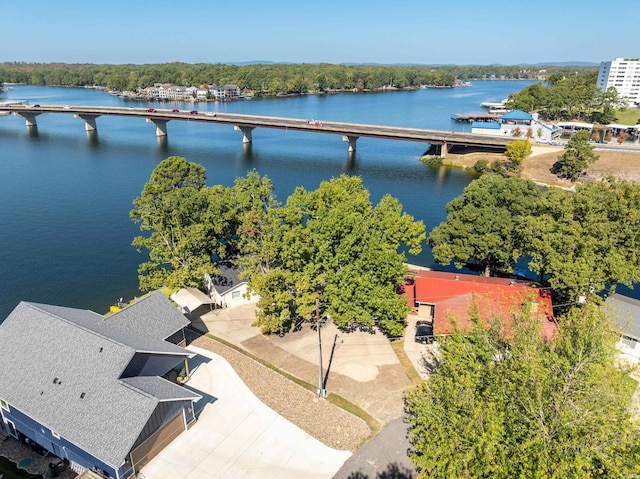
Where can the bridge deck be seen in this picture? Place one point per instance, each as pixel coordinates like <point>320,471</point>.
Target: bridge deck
<point>356,130</point>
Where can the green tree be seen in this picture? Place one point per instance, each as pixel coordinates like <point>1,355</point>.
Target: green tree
<point>482,224</point>
<point>517,151</point>
<point>186,224</point>
<point>525,407</point>
<point>333,246</point>
<point>585,240</point>
<point>578,155</point>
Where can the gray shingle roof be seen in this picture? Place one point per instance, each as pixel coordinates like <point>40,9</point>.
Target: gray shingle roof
<point>51,355</point>
<point>161,389</point>
<point>142,318</point>
<point>228,278</point>
<point>625,313</point>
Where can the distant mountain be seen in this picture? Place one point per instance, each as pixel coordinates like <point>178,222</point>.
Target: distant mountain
<point>567,64</point>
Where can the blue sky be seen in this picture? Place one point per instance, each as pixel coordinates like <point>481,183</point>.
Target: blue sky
<point>402,31</point>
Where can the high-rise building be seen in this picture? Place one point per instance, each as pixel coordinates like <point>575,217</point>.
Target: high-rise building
<point>623,74</point>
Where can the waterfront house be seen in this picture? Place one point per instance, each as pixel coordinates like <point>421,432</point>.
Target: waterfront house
<point>96,390</point>
<point>226,288</point>
<point>442,297</point>
<point>624,313</point>
<point>517,121</point>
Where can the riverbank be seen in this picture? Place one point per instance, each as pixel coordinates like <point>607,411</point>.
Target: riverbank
<point>537,167</point>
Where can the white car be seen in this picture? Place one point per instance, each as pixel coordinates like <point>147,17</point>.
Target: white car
<point>210,113</point>
<point>545,141</point>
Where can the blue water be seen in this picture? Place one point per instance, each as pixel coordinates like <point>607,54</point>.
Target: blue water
<point>65,195</point>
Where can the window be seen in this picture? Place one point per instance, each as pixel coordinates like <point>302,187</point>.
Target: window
<point>629,342</point>
<point>236,295</point>
<point>55,434</point>
<point>4,405</point>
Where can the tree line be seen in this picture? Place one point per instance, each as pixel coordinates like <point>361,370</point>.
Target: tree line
<point>578,243</point>
<point>330,246</point>
<point>269,79</point>
<point>565,96</point>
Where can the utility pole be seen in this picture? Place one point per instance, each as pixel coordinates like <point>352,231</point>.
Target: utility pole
<point>321,391</point>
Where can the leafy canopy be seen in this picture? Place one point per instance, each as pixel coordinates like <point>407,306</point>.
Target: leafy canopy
<point>578,155</point>
<point>482,224</point>
<point>334,246</point>
<point>187,224</point>
<point>526,408</point>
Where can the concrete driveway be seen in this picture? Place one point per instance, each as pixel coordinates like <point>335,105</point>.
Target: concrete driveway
<point>423,356</point>
<point>237,436</point>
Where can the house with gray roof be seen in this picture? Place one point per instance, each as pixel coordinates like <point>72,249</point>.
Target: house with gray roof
<point>226,287</point>
<point>94,389</point>
<point>625,315</point>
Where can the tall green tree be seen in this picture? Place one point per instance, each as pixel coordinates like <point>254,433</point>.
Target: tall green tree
<point>586,240</point>
<point>333,246</point>
<point>482,224</point>
<point>578,155</point>
<point>186,225</point>
<point>525,407</point>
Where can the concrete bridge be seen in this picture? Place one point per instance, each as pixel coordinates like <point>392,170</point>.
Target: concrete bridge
<point>350,132</point>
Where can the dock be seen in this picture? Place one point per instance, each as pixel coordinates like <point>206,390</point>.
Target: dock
<point>471,117</point>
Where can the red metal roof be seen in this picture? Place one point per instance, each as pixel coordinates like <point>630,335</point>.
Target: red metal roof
<point>454,295</point>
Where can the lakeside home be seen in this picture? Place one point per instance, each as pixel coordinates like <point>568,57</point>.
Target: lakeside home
<point>98,391</point>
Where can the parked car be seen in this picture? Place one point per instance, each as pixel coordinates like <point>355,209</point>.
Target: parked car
<point>34,106</point>
<point>151,110</point>
<point>546,141</point>
<point>193,112</point>
<point>424,332</point>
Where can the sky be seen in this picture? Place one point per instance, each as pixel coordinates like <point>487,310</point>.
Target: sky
<point>430,32</point>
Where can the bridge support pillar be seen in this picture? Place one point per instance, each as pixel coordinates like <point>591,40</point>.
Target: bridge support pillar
<point>352,142</point>
<point>28,116</point>
<point>246,132</point>
<point>161,126</point>
<point>444,149</point>
<point>89,121</point>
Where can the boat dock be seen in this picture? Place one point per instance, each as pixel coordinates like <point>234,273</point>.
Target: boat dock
<point>471,117</point>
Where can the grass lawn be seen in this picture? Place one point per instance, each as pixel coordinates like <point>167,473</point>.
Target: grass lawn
<point>9,470</point>
<point>630,116</point>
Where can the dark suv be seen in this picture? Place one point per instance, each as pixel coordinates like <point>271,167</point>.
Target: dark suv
<point>424,332</point>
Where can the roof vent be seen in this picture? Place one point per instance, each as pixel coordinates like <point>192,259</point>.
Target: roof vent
<point>511,283</point>
<point>55,380</point>
<point>101,349</point>
<point>82,396</point>
<point>457,277</point>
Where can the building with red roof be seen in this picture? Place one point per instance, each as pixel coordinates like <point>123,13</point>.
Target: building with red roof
<point>447,297</point>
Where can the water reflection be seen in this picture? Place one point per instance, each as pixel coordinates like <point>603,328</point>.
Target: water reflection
<point>33,131</point>
<point>163,143</point>
<point>351,162</point>
<point>92,138</point>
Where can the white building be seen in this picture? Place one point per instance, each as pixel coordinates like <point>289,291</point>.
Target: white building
<point>517,123</point>
<point>226,289</point>
<point>625,315</point>
<point>623,74</point>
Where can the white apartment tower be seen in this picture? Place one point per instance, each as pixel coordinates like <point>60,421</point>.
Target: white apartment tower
<point>623,74</point>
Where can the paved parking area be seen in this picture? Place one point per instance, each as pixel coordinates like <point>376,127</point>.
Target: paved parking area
<point>421,355</point>
<point>237,436</point>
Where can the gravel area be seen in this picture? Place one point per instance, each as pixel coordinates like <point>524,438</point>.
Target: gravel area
<point>319,418</point>
<point>16,452</point>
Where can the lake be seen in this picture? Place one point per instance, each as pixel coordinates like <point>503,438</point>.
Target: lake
<point>66,194</point>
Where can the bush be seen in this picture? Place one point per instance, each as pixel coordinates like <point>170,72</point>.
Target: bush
<point>432,160</point>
